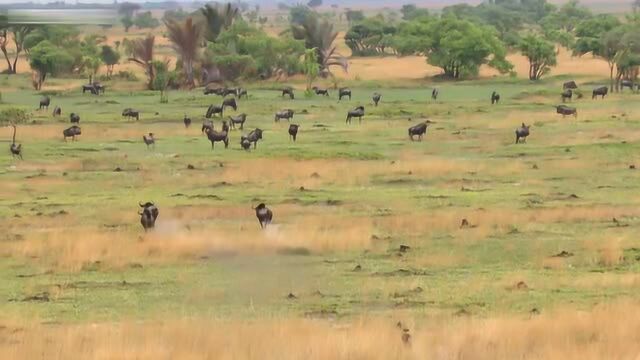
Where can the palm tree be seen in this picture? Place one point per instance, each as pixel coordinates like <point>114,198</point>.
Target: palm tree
<point>319,35</point>
<point>218,19</point>
<point>142,54</point>
<point>186,39</point>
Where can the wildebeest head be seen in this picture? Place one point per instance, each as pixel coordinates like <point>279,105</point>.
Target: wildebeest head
<point>148,215</point>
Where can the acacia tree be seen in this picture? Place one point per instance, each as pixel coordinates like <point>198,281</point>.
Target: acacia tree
<point>18,34</point>
<point>47,59</point>
<point>540,53</point>
<point>142,54</point>
<point>110,58</point>
<point>319,35</point>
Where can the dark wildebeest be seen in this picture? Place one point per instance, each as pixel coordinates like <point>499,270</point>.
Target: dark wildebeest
<point>71,132</point>
<point>242,92</point>
<point>206,126</point>
<point>626,83</point>
<point>284,114</point>
<point>186,121</point>
<point>57,111</point>
<point>419,130</point>
<point>600,91</point>
<point>91,88</point>
<point>74,118</point>
<point>357,112</point>
<point>149,140</point>
<point>216,91</point>
<point>44,103</point>
<point>16,149</point>
<point>521,133</point>
<point>569,85</point>
<point>567,94</point>
<point>252,137</point>
<point>214,109</point>
<point>288,91</point>
<point>245,143</point>
<point>293,131</point>
<point>566,110</point>
<point>230,91</point>
<point>318,91</point>
<point>99,87</point>
<point>434,94</point>
<point>130,113</point>
<point>238,119</point>
<point>230,102</point>
<point>264,215</point>
<point>148,215</point>
<point>376,98</point>
<point>215,136</point>
<point>495,98</point>
<point>344,92</point>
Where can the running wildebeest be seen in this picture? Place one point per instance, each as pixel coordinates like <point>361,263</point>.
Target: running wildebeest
<point>569,85</point>
<point>215,136</point>
<point>130,113</point>
<point>565,110</point>
<point>495,98</point>
<point>344,92</point>
<point>293,131</point>
<point>376,98</point>
<point>243,92</point>
<point>149,140</point>
<point>252,137</point>
<point>284,114</point>
<point>74,118</point>
<point>419,130</point>
<point>214,109</point>
<point>626,83</point>
<point>600,91</point>
<point>567,94</point>
<point>288,91</point>
<point>357,112</point>
<point>318,91</point>
<point>148,215</point>
<point>91,88</point>
<point>44,103</point>
<point>230,102</point>
<point>216,91</point>
<point>434,94</point>
<point>72,132</point>
<point>264,215</point>
<point>521,133</point>
<point>238,119</point>
<point>206,126</point>
<point>186,121</point>
<point>57,111</point>
<point>16,149</point>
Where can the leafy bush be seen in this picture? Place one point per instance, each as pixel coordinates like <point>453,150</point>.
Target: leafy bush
<point>14,116</point>
<point>235,66</point>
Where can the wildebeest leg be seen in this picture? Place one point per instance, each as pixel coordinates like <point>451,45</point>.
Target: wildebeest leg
<point>517,139</point>
<point>242,125</point>
<point>212,142</point>
<point>226,143</point>
<point>255,144</point>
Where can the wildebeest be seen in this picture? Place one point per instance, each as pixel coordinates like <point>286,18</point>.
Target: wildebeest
<point>242,92</point>
<point>293,131</point>
<point>284,114</point>
<point>522,132</point>
<point>71,132</point>
<point>318,91</point>
<point>215,136</point>
<point>264,215</point>
<point>357,112</point>
<point>130,113</point>
<point>216,91</point>
<point>186,121</point>
<point>57,111</point>
<point>252,137</point>
<point>16,149</point>
<point>419,130</point>
<point>74,118</point>
<point>565,110</point>
<point>434,94</point>
<point>344,92</point>
<point>569,85</point>
<point>149,140</point>
<point>99,87</point>
<point>148,215</point>
<point>495,98</point>
<point>626,83</point>
<point>376,98</point>
<point>230,102</point>
<point>245,143</point>
<point>600,91</point>
<point>206,126</point>
<point>214,109</point>
<point>288,91</point>
<point>230,91</point>
<point>567,94</point>
<point>44,103</point>
<point>238,119</point>
<point>91,88</point>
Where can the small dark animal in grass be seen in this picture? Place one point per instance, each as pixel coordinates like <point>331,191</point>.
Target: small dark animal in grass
<point>357,112</point>
<point>288,91</point>
<point>264,215</point>
<point>600,91</point>
<point>245,143</point>
<point>90,88</point>
<point>567,94</point>
<point>44,103</point>
<point>570,85</point>
<point>216,91</point>
<point>186,121</point>
<point>230,91</point>
<point>342,92</point>
<point>57,111</point>
<point>215,136</point>
<point>71,132</point>
<point>214,109</point>
<point>242,92</point>
<point>318,91</point>
<point>99,87</point>
<point>376,98</point>
<point>434,94</point>
<point>131,114</point>
<point>566,110</point>
<point>626,84</point>
<point>16,149</point>
<point>74,118</point>
<point>252,137</point>
<point>419,130</point>
<point>293,131</point>
<point>149,140</point>
<point>238,119</point>
<point>148,215</point>
<point>521,133</point>
<point>206,126</point>
<point>231,102</point>
<point>495,98</point>
<point>284,114</point>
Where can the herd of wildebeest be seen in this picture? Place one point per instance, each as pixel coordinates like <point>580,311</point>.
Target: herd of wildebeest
<point>150,212</point>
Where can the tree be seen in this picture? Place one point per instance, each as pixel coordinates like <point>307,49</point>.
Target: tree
<point>410,12</point>
<point>127,10</point>
<point>567,17</point>
<point>146,20</point>
<point>109,57</point>
<point>369,37</point>
<point>142,54</point>
<point>319,35</point>
<point>540,53</point>
<point>354,16</point>
<point>311,67</point>
<point>91,64</point>
<point>18,33</point>
<point>185,37</point>
<point>127,22</point>
<point>47,59</point>
<point>218,19</point>
<point>589,33</point>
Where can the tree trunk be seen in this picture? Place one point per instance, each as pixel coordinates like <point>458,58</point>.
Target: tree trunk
<point>611,65</point>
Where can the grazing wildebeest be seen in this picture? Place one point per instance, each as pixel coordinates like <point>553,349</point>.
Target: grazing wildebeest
<point>495,98</point>
<point>130,113</point>
<point>344,92</point>
<point>91,88</point>
<point>264,215</point>
<point>230,102</point>
<point>318,91</point>
<point>376,98</point>
<point>284,114</point>
<point>230,91</point>
<point>16,149</point>
<point>600,91</point>
<point>238,119</point>
<point>252,137</point>
<point>214,109</point>
<point>434,94</point>
<point>626,83</point>
<point>521,133</point>
<point>148,215</point>
<point>206,126</point>
<point>293,131</point>
<point>566,110</point>
<point>44,103</point>
<point>419,130</point>
<point>245,143</point>
<point>243,92</point>
<point>186,121</point>
<point>569,85</point>
<point>57,111</point>
<point>216,91</point>
<point>99,87</point>
<point>215,136</point>
<point>149,140</point>
<point>71,132</point>
<point>357,112</point>
<point>74,118</point>
<point>567,94</point>
<point>288,91</point>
